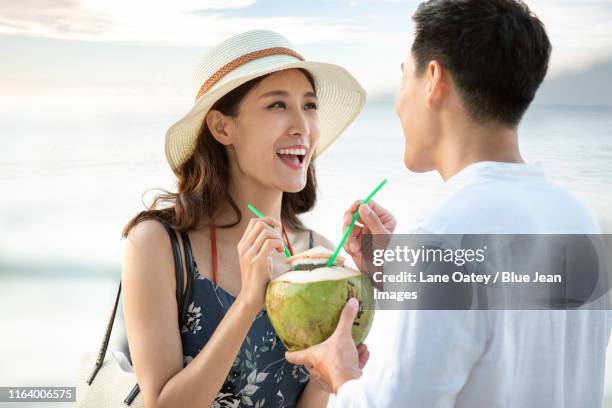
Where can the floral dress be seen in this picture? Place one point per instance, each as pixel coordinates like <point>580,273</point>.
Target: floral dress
<point>260,376</point>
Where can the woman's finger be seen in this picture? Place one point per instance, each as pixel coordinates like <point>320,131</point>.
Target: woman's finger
<point>265,234</point>
<point>242,244</point>
<point>256,225</point>
<point>252,247</point>
<point>268,246</point>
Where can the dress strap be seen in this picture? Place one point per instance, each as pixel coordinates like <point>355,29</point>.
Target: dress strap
<point>310,239</point>
<point>287,240</point>
<point>213,251</point>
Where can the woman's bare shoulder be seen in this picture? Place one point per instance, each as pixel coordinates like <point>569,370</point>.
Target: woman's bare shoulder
<point>149,234</point>
<point>148,255</point>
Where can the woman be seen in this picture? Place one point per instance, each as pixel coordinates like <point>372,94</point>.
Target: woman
<point>261,115</point>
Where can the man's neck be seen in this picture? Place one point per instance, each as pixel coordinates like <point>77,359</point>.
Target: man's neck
<point>472,143</point>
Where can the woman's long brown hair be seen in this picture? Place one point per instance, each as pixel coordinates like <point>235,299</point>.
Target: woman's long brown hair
<point>203,180</point>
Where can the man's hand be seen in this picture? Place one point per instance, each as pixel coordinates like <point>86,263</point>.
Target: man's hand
<point>375,220</point>
<point>336,360</point>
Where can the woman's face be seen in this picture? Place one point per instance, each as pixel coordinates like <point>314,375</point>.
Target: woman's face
<point>276,131</point>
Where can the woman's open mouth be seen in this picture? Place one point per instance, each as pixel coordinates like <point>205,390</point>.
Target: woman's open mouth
<point>293,158</point>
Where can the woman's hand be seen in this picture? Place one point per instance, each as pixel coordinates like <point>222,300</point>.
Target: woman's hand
<point>375,220</point>
<point>261,237</point>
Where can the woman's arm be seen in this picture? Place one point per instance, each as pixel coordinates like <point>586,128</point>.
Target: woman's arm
<point>313,396</point>
<point>151,322</point>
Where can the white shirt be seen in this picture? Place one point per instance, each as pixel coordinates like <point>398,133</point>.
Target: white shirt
<point>472,359</point>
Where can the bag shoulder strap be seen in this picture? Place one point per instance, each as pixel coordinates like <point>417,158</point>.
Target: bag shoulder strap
<point>182,299</point>
<point>190,262</point>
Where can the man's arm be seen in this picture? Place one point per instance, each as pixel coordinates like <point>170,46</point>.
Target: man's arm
<point>420,358</point>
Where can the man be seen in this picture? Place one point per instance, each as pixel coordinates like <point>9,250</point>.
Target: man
<point>472,72</point>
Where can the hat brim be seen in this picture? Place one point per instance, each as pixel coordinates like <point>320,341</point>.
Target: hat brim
<point>340,99</point>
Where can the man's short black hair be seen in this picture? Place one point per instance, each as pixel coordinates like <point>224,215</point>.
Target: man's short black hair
<point>496,51</point>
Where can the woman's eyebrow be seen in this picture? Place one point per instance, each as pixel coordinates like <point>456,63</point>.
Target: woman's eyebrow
<point>274,93</point>
<point>286,94</point>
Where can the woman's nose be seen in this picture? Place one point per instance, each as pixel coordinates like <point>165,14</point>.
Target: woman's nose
<point>299,124</point>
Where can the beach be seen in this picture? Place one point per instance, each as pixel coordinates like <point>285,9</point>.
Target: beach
<point>73,177</point>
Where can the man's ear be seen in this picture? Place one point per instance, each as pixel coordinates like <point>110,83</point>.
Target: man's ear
<point>219,126</point>
<point>436,79</point>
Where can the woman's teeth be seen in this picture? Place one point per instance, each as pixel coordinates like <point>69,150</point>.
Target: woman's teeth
<point>296,152</point>
<point>294,156</point>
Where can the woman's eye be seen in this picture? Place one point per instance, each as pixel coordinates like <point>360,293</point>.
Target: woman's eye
<point>311,105</point>
<point>278,105</point>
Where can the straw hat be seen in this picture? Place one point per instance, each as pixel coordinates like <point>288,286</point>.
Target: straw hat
<point>250,55</point>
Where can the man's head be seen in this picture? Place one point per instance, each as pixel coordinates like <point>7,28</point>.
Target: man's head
<point>475,61</point>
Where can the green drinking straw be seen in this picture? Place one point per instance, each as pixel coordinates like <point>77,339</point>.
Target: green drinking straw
<point>260,215</point>
<point>331,260</point>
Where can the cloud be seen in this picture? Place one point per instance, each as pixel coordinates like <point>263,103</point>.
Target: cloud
<point>49,17</point>
<point>185,23</point>
<point>369,37</point>
<point>107,20</point>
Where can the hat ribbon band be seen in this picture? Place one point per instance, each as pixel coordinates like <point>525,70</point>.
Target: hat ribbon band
<point>244,59</point>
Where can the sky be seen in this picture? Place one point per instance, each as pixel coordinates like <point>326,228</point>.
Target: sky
<point>144,47</point>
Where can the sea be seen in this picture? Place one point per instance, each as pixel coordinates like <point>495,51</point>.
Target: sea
<point>74,170</point>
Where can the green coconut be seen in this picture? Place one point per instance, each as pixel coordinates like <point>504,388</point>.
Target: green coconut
<point>304,305</point>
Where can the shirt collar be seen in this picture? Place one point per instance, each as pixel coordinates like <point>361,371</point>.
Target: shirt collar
<point>496,170</point>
